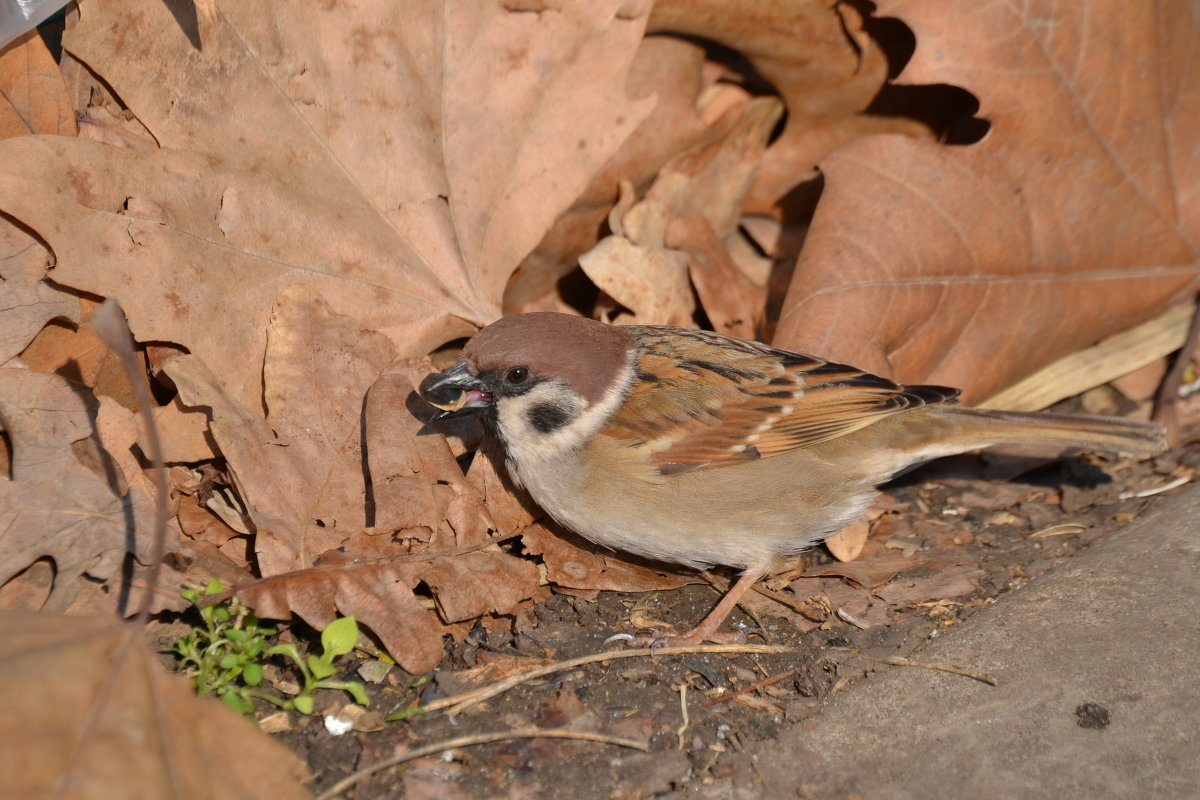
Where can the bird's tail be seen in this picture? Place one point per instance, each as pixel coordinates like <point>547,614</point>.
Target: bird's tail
<point>1111,434</point>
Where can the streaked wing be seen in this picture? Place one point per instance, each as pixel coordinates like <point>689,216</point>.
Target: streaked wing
<point>701,400</point>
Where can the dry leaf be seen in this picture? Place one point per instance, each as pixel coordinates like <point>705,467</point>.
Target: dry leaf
<point>954,582</point>
<point>90,713</point>
<point>300,470</point>
<point>54,505</point>
<point>694,202</point>
<point>848,543</point>
<point>399,159</point>
<point>379,593</point>
<point>1075,218</point>
<point>33,99</point>
<point>667,69</point>
<point>300,473</point>
<point>825,67</point>
<point>33,95</point>
<point>572,566</point>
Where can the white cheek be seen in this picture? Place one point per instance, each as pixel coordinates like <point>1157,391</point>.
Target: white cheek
<point>529,447</point>
<point>526,443</point>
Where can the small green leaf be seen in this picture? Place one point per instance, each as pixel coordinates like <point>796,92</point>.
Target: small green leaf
<point>252,674</point>
<point>358,692</point>
<point>254,648</point>
<point>303,704</point>
<point>339,637</point>
<point>220,613</point>
<point>234,635</point>
<point>404,713</point>
<point>228,661</point>
<point>286,649</point>
<point>237,702</point>
<point>214,586</point>
<point>320,668</point>
<point>191,595</point>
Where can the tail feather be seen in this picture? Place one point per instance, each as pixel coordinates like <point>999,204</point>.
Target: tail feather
<point>1066,430</point>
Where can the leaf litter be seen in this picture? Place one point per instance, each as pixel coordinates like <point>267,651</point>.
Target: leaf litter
<point>299,208</point>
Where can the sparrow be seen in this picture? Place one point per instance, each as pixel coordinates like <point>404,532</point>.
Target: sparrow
<point>701,449</point>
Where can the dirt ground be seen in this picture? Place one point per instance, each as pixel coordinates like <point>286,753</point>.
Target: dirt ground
<point>952,542</point>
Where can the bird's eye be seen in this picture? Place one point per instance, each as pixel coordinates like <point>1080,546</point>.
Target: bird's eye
<point>517,375</point>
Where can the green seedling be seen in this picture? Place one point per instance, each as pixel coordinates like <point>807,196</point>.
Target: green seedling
<point>225,657</point>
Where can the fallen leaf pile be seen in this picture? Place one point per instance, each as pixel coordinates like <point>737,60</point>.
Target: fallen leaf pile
<point>303,208</point>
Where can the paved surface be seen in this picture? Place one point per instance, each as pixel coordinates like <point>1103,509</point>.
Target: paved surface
<point>1117,626</point>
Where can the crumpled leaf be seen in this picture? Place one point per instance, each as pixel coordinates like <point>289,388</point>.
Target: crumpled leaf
<point>1076,217</point>
<point>817,56</point>
<point>90,713</point>
<point>677,229</point>
<point>54,505</point>
<point>401,159</point>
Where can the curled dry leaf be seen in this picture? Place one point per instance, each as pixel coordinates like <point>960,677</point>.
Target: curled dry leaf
<point>106,720</point>
<point>693,204</point>
<point>819,59</point>
<point>1076,217</point>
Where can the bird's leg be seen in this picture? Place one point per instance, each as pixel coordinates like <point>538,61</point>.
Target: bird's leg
<point>707,631</point>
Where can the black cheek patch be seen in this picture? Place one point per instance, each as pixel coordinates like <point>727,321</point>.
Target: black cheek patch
<point>546,418</point>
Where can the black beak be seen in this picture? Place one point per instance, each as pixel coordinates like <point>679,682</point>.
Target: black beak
<point>455,392</point>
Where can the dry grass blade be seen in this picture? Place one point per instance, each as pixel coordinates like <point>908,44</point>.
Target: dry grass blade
<point>471,741</point>
<point>896,661</point>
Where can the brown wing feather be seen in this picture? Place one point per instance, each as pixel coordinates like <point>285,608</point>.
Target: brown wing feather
<point>701,400</point>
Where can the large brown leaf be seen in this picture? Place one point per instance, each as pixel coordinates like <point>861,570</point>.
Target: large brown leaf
<point>399,158</point>
<point>1077,216</point>
<point>89,713</point>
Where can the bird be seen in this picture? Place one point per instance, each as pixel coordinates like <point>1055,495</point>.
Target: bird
<point>701,449</point>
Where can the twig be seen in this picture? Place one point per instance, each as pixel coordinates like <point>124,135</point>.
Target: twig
<point>1166,487</point>
<point>754,687</point>
<point>465,699</point>
<point>683,687</point>
<point>896,661</point>
<point>471,741</point>
<point>109,322</point>
<point>845,616</point>
<point>1062,529</point>
<point>1166,402</point>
